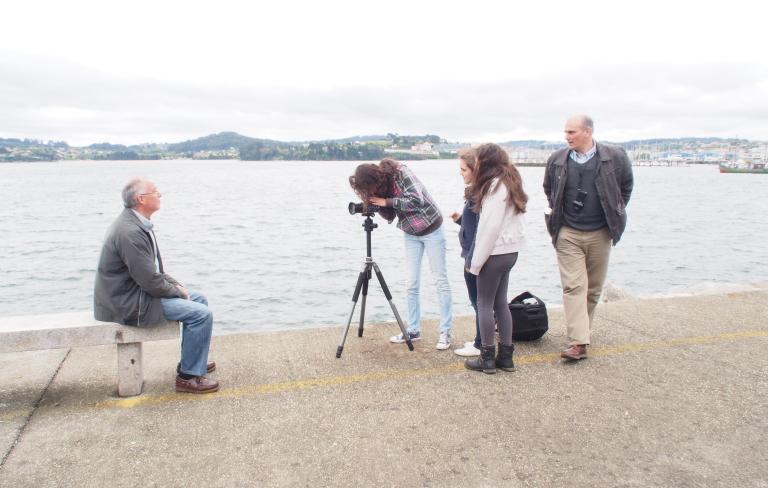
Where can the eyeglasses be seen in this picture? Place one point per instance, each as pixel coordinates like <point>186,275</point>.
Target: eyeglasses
<point>157,193</point>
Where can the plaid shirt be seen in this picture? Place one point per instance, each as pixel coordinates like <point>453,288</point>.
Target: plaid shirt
<point>415,209</point>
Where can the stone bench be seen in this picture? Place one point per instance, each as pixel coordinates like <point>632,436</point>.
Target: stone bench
<point>79,329</point>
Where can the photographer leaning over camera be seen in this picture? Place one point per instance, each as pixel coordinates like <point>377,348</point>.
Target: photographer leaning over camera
<point>588,185</point>
<point>393,187</point>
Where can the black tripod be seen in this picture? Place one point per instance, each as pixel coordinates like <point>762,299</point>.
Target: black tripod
<point>362,283</point>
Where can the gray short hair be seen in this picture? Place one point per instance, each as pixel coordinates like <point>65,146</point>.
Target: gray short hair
<point>132,190</point>
<point>587,122</point>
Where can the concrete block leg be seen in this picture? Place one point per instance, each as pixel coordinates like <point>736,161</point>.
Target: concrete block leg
<point>130,369</point>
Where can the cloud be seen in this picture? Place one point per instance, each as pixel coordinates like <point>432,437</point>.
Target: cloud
<point>51,99</point>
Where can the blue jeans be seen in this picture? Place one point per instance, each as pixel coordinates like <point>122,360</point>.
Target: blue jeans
<point>415,246</point>
<point>197,324</point>
<point>471,281</point>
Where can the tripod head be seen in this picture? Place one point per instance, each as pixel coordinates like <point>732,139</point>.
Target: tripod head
<point>367,212</point>
<point>368,223</point>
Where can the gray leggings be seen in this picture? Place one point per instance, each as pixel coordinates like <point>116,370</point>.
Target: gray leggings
<point>492,285</point>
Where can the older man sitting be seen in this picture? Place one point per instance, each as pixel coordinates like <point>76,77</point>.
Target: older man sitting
<point>132,288</point>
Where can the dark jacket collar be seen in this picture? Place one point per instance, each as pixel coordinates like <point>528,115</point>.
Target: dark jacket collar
<point>603,151</point>
<point>129,217</point>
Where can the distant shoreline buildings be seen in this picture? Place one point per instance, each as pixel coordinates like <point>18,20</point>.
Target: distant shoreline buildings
<point>233,146</point>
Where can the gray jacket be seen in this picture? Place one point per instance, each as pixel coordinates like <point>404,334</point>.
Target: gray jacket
<point>128,287</point>
<point>614,183</point>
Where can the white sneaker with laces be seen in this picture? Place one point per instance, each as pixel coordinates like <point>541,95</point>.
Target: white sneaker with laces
<point>399,339</point>
<point>469,350</point>
<point>445,341</point>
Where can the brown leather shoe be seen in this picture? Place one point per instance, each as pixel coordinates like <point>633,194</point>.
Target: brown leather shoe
<point>575,352</point>
<point>211,367</point>
<point>198,384</point>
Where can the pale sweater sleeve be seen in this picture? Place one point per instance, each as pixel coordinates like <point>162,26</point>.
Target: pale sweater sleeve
<point>489,226</point>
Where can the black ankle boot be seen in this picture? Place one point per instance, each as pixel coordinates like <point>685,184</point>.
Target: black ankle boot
<point>485,363</point>
<point>504,359</point>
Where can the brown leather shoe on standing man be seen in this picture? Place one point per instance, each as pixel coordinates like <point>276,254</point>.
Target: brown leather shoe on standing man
<point>588,185</point>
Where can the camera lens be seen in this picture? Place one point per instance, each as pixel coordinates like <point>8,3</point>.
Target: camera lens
<point>355,208</point>
<point>358,208</point>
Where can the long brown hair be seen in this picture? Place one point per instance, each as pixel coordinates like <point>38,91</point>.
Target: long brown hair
<point>493,162</point>
<point>467,156</point>
<point>374,180</point>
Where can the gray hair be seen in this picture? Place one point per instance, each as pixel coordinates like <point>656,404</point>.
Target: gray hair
<point>132,190</point>
<point>587,122</point>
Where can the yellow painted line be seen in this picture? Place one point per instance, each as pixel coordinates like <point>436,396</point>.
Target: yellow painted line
<point>12,415</point>
<point>297,385</point>
<point>278,387</point>
<point>682,341</point>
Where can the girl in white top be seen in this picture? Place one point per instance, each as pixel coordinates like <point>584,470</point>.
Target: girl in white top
<point>498,190</point>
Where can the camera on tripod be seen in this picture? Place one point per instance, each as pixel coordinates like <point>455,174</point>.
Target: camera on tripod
<point>359,208</point>
<point>366,273</point>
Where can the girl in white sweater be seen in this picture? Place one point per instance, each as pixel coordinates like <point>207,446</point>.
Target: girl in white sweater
<point>498,190</point>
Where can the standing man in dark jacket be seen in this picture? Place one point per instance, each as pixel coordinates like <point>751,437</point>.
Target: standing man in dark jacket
<point>132,288</point>
<point>588,186</point>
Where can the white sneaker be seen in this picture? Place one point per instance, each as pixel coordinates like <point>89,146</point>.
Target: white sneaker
<point>469,350</point>
<point>399,339</point>
<point>444,342</point>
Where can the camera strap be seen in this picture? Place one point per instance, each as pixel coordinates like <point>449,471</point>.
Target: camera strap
<point>581,168</point>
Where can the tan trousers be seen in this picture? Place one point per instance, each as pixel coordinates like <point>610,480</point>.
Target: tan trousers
<point>583,260</point>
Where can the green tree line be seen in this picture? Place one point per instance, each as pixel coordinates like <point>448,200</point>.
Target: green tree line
<point>315,151</point>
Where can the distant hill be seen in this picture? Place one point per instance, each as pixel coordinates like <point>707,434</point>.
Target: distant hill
<point>218,142</point>
<point>31,143</point>
<point>684,140</point>
<point>231,145</point>
<point>533,144</point>
<point>676,141</point>
<point>348,140</point>
<point>105,146</point>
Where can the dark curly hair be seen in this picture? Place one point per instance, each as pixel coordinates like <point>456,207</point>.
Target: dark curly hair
<point>374,180</point>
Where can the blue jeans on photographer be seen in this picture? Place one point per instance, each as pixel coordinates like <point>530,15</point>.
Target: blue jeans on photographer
<point>471,281</point>
<point>434,245</point>
<point>197,325</point>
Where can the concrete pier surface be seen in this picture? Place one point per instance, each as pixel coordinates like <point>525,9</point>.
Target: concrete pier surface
<point>674,393</point>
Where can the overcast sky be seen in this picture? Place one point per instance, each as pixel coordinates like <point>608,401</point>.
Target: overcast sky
<point>166,71</point>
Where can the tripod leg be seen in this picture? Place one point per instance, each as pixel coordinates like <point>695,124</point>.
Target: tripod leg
<point>360,279</point>
<point>392,304</point>
<point>362,304</point>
